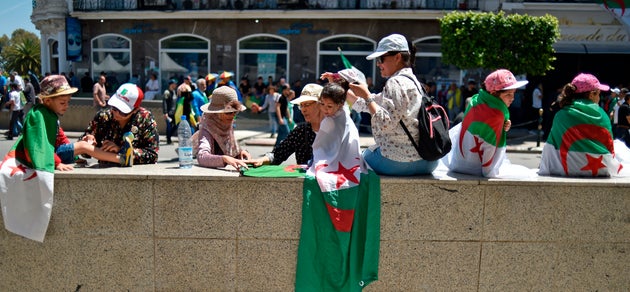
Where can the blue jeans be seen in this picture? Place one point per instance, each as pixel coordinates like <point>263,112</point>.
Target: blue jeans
<point>283,131</point>
<point>382,165</point>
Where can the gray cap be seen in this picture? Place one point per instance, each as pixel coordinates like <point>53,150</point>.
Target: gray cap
<point>390,43</point>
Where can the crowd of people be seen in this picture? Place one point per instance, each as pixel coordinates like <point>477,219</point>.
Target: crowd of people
<point>124,133</point>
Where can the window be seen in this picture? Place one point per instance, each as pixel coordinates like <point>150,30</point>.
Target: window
<point>111,54</point>
<point>263,55</point>
<point>183,55</point>
<point>429,66</point>
<point>53,46</point>
<point>354,48</point>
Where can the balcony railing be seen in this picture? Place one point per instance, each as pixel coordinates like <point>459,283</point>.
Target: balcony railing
<point>174,5</point>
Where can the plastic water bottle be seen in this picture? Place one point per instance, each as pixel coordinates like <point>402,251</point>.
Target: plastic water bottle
<point>185,144</point>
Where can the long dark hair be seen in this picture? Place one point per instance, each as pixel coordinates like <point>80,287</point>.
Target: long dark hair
<point>569,95</point>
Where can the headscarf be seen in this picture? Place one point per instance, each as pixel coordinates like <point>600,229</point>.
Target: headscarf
<point>221,133</point>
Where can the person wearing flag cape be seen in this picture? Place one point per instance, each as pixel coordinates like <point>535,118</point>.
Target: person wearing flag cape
<point>580,143</point>
<point>479,141</point>
<point>27,171</point>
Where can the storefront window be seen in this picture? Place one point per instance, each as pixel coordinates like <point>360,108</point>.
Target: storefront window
<point>183,55</point>
<point>263,55</point>
<point>429,66</point>
<point>354,48</point>
<point>111,54</point>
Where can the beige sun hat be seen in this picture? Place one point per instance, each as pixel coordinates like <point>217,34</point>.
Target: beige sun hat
<point>223,100</point>
<point>310,92</point>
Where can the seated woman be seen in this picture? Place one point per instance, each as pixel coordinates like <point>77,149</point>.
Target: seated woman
<point>300,140</point>
<point>217,145</point>
<point>479,141</point>
<point>580,142</point>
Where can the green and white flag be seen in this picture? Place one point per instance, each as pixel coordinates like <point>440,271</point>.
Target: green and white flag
<point>580,143</point>
<point>27,176</point>
<point>480,141</point>
<point>340,235</point>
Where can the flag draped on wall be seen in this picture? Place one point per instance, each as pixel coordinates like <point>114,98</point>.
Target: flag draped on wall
<point>27,176</point>
<point>340,237</point>
<point>580,143</point>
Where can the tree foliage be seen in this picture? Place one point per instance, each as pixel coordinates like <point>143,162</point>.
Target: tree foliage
<point>21,53</point>
<point>521,43</point>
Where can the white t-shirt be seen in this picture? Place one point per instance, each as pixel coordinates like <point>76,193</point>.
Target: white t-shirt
<point>537,98</point>
<point>15,97</point>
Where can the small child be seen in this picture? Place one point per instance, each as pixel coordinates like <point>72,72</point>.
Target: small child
<point>56,95</point>
<point>336,145</point>
<point>479,142</point>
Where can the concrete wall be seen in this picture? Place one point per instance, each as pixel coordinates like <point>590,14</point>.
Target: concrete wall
<point>154,228</point>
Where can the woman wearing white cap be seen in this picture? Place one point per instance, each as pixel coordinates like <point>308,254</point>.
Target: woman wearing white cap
<point>393,154</point>
<point>300,140</point>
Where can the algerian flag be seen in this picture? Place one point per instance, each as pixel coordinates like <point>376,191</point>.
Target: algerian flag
<point>276,171</point>
<point>27,176</point>
<point>340,237</point>
<point>580,143</point>
<point>480,140</point>
<point>616,4</point>
<point>346,62</point>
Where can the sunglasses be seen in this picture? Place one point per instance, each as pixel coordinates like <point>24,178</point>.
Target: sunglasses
<point>381,59</point>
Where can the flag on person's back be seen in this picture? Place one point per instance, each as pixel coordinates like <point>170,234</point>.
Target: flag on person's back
<point>27,177</point>
<point>479,141</point>
<point>340,235</point>
<point>580,143</point>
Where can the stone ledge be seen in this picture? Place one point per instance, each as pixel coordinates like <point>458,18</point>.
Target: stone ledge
<point>158,228</point>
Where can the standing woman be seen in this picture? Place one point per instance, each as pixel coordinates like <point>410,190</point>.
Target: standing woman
<point>400,100</point>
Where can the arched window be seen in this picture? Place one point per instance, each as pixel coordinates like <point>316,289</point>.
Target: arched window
<point>53,46</point>
<point>111,54</point>
<point>429,66</point>
<point>263,55</point>
<point>354,48</point>
<point>182,55</point>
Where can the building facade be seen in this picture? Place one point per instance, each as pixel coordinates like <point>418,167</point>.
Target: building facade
<point>294,39</point>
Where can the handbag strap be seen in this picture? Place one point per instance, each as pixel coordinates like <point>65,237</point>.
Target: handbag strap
<point>415,145</point>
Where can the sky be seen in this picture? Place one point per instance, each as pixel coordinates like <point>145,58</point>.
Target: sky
<point>17,14</point>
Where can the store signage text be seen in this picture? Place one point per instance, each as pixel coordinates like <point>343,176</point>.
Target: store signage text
<point>143,28</point>
<point>596,36</point>
<point>299,28</point>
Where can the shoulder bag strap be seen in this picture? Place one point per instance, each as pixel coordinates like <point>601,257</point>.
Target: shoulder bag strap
<point>415,145</point>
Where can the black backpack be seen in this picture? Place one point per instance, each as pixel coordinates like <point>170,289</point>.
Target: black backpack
<point>434,142</point>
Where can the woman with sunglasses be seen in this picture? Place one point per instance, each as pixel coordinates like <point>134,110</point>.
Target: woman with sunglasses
<point>393,154</point>
<point>217,145</point>
<point>123,115</point>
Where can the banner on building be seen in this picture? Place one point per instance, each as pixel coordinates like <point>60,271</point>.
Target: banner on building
<point>267,65</point>
<point>74,50</point>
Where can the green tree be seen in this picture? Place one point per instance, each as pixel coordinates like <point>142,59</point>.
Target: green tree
<point>21,53</point>
<point>521,43</point>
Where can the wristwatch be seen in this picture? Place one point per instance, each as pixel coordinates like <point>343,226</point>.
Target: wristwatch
<point>369,100</point>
